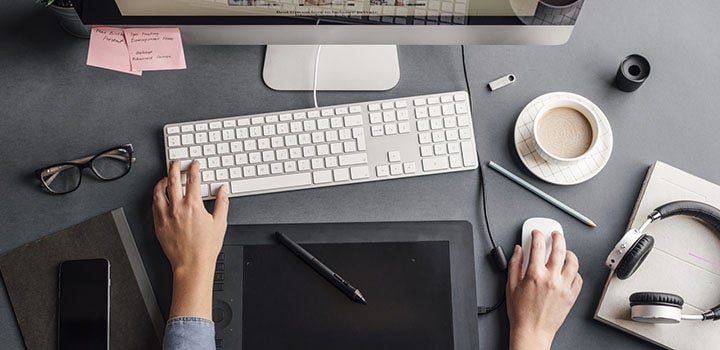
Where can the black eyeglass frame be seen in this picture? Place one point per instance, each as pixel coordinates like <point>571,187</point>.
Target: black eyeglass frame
<point>86,162</point>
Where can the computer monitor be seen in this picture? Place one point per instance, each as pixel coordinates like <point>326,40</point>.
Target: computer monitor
<point>358,36</point>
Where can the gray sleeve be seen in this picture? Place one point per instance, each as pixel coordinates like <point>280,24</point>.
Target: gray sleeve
<point>194,333</point>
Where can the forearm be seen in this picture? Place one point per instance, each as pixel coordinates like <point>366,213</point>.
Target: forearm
<point>192,292</point>
<point>526,340</point>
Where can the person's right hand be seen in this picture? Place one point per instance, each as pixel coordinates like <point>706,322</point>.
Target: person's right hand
<point>190,237</point>
<point>538,302</point>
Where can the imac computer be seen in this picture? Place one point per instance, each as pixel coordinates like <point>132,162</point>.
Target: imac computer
<point>358,37</point>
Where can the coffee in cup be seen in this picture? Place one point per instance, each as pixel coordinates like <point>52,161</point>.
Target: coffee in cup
<point>565,131</point>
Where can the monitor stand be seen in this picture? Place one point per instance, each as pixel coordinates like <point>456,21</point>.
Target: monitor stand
<point>341,67</point>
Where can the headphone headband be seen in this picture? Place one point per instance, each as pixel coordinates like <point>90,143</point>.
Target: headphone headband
<point>702,211</point>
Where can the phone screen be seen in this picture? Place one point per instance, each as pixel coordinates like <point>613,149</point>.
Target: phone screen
<point>84,304</point>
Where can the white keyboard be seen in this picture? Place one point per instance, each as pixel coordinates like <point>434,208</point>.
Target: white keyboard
<point>328,146</point>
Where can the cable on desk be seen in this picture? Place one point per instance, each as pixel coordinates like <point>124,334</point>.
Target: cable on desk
<point>497,255</point>
<point>315,73</point>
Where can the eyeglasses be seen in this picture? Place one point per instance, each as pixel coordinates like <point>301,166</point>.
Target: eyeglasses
<point>107,165</point>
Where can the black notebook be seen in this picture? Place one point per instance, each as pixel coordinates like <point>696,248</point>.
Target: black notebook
<point>418,279</point>
<point>30,274</point>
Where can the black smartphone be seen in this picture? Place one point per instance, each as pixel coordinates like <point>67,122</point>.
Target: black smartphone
<point>84,304</point>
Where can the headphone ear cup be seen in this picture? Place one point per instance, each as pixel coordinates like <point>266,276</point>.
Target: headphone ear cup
<point>634,257</point>
<point>652,307</point>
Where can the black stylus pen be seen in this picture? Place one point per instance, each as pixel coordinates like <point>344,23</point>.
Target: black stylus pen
<point>352,292</point>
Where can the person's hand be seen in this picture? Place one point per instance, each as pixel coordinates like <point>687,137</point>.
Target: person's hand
<point>190,237</point>
<point>538,302</point>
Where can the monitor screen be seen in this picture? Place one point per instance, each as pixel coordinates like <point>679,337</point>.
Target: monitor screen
<point>369,12</point>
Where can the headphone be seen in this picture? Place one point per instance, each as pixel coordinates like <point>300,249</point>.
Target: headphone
<point>634,247</point>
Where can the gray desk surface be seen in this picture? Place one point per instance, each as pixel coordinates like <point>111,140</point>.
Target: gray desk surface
<point>54,108</point>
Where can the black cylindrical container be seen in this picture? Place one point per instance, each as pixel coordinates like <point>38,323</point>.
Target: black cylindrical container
<point>633,71</point>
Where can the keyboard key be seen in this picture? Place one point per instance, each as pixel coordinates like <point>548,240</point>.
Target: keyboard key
<point>223,148</point>
<point>282,154</point>
<point>349,146</point>
<point>382,170</point>
<point>313,114</point>
<point>400,104</point>
<point>394,156</point>
<point>424,138</point>
<point>419,102</point>
<point>359,172</point>
<point>435,111</point>
<point>336,122</point>
<point>449,122</point>
<point>404,127</point>
<point>318,137</point>
<point>323,150</point>
<point>215,125</point>
<point>277,142</point>
<point>242,133</point>
<point>464,120</point>
<point>188,139</point>
<point>323,124</point>
<point>331,135</point>
<point>250,145</point>
<point>341,110</point>
<point>269,130</point>
<point>426,151</point>
<point>435,163</point>
<point>195,151</point>
<point>173,141</point>
<point>391,129</point>
<point>263,169</point>
<point>327,112</point>
<point>440,149</point>
<point>459,97</point>
<point>299,115</point>
<point>248,171</point>
<point>243,122</point>
<point>377,130</point>
<point>178,153</point>
<point>341,174</point>
<point>423,125</point>
<point>433,100</point>
<point>468,153</point>
<point>446,98</point>
<point>448,109</point>
<point>317,163</point>
<point>336,148</point>
<point>388,116</point>
<point>221,174</point>
<point>187,128</point>
<point>216,186</point>
<point>173,129</point>
<point>241,159</point>
<point>355,109</point>
<point>290,166</point>
<point>436,124</point>
<point>276,168</point>
<point>396,169</point>
<point>202,137</point>
<point>303,164</point>
<point>204,190</point>
<point>353,120</point>
<point>257,120</point>
<point>213,162</point>
<point>387,105</point>
<point>255,131</point>
<point>322,176</point>
<point>291,140</point>
<point>309,125</point>
<point>201,127</point>
<point>229,123</point>
<point>451,135</point>
<point>271,119</point>
<point>304,139</point>
<point>235,173</point>
<point>456,161</point>
<point>421,113</point>
<point>208,175</point>
<point>283,128</point>
<point>209,150</point>
<point>374,107</point>
<point>353,159</point>
<point>453,147</point>
<point>409,167</point>
<point>461,108</point>
<point>465,133</point>
<point>227,161</point>
<point>263,143</point>
<point>295,152</point>
<point>403,114</point>
<point>255,157</point>
<point>296,127</point>
<point>285,117</point>
<point>271,182</point>
<point>308,151</point>
<point>268,156</point>
<point>331,162</point>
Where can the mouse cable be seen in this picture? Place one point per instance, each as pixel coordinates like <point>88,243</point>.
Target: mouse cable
<point>496,255</point>
<point>315,74</point>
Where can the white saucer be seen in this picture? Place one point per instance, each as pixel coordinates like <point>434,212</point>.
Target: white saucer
<point>566,174</point>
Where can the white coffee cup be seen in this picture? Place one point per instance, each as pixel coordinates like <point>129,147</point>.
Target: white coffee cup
<point>571,128</point>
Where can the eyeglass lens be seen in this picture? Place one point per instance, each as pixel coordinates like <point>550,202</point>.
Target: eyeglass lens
<point>61,178</point>
<point>112,164</point>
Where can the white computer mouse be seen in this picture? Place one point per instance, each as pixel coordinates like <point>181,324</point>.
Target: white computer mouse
<point>544,225</point>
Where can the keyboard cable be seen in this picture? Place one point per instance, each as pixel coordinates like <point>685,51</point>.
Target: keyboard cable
<point>315,69</point>
<point>496,255</point>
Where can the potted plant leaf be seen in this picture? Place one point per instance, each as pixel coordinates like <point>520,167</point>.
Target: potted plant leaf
<point>68,17</point>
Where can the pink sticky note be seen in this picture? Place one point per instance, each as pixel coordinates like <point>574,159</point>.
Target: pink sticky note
<point>108,50</point>
<point>155,48</point>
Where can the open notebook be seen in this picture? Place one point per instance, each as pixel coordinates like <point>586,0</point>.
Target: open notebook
<point>685,261</point>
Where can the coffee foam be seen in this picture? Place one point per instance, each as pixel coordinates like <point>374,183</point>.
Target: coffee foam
<point>564,132</point>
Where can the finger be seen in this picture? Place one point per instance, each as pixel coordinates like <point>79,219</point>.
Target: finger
<point>571,265</point>
<point>174,188</point>
<point>576,285</point>
<point>160,202</point>
<point>515,268</point>
<point>221,204</point>
<point>557,255</point>
<point>537,250</point>
<point>192,187</point>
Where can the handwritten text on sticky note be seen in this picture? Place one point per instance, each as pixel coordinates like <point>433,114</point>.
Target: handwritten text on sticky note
<point>108,50</point>
<point>155,48</point>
